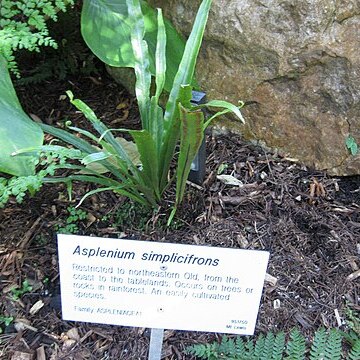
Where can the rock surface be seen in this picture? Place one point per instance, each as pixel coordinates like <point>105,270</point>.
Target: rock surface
<point>297,65</point>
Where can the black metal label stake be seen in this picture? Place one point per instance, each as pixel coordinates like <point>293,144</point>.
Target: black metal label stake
<point>197,171</point>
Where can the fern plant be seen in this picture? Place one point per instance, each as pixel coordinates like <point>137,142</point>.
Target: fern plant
<point>72,56</point>
<point>326,345</point>
<point>156,143</point>
<point>296,346</point>
<point>23,26</point>
<point>49,160</point>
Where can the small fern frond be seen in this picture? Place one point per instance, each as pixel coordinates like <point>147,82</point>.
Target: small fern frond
<point>259,346</point>
<point>250,348</point>
<point>204,351</point>
<point>333,348</point>
<point>23,25</point>
<point>240,347</point>
<point>227,346</point>
<point>318,346</point>
<point>354,353</point>
<point>326,345</point>
<point>278,346</point>
<point>350,336</point>
<point>268,346</point>
<point>296,347</point>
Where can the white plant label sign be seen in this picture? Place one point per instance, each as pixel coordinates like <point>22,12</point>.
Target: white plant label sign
<point>160,285</point>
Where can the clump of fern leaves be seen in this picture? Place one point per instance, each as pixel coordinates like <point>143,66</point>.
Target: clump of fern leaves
<point>326,345</point>
<point>23,25</point>
<point>72,56</point>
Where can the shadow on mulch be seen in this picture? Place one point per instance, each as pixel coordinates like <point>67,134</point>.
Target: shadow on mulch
<point>309,222</point>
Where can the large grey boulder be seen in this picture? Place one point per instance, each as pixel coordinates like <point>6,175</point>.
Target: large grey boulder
<point>298,65</point>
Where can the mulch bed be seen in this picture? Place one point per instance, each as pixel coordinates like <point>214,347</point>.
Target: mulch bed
<point>309,222</point>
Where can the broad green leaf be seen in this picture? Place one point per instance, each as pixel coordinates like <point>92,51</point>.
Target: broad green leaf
<point>106,29</point>
<point>192,134</point>
<point>17,130</point>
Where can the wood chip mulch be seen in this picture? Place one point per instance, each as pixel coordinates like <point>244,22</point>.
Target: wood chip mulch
<point>309,222</point>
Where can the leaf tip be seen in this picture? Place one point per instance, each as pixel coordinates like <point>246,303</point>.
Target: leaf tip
<point>70,95</point>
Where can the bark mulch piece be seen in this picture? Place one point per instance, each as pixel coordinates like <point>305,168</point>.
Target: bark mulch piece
<point>309,222</point>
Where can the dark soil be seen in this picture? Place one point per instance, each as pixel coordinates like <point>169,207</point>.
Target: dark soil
<point>309,222</point>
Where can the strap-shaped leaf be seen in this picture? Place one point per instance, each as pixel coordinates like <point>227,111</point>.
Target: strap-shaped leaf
<point>156,124</point>
<point>69,138</point>
<point>187,65</point>
<point>149,160</point>
<point>87,178</point>
<point>228,107</point>
<point>185,96</point>
<point>191,137</point>
<point>82,145</point>
<point>160,56</point>
<point>123,189</point>
<point>95,157</point>
<point>86,133</point>
<point>141,57</point>
<point>183,77</point>
<point>108,137</point>
<point>171,136</point>
<point>156,115</point>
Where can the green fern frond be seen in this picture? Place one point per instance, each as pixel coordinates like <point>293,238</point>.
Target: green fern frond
<point>227,346</point>
<point>333,348</point>
<point>354,353</point>
<point>249,346</point>
<point>296,346</point>
<point>350,336</point>
<point>326,345</point>
<point>278,346</point>
<point>240,346</point>
<point>23,26</point>
<point>352,320</point>
<point>204,351</point>
<point>259,346</point>
<point>317,350</point>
